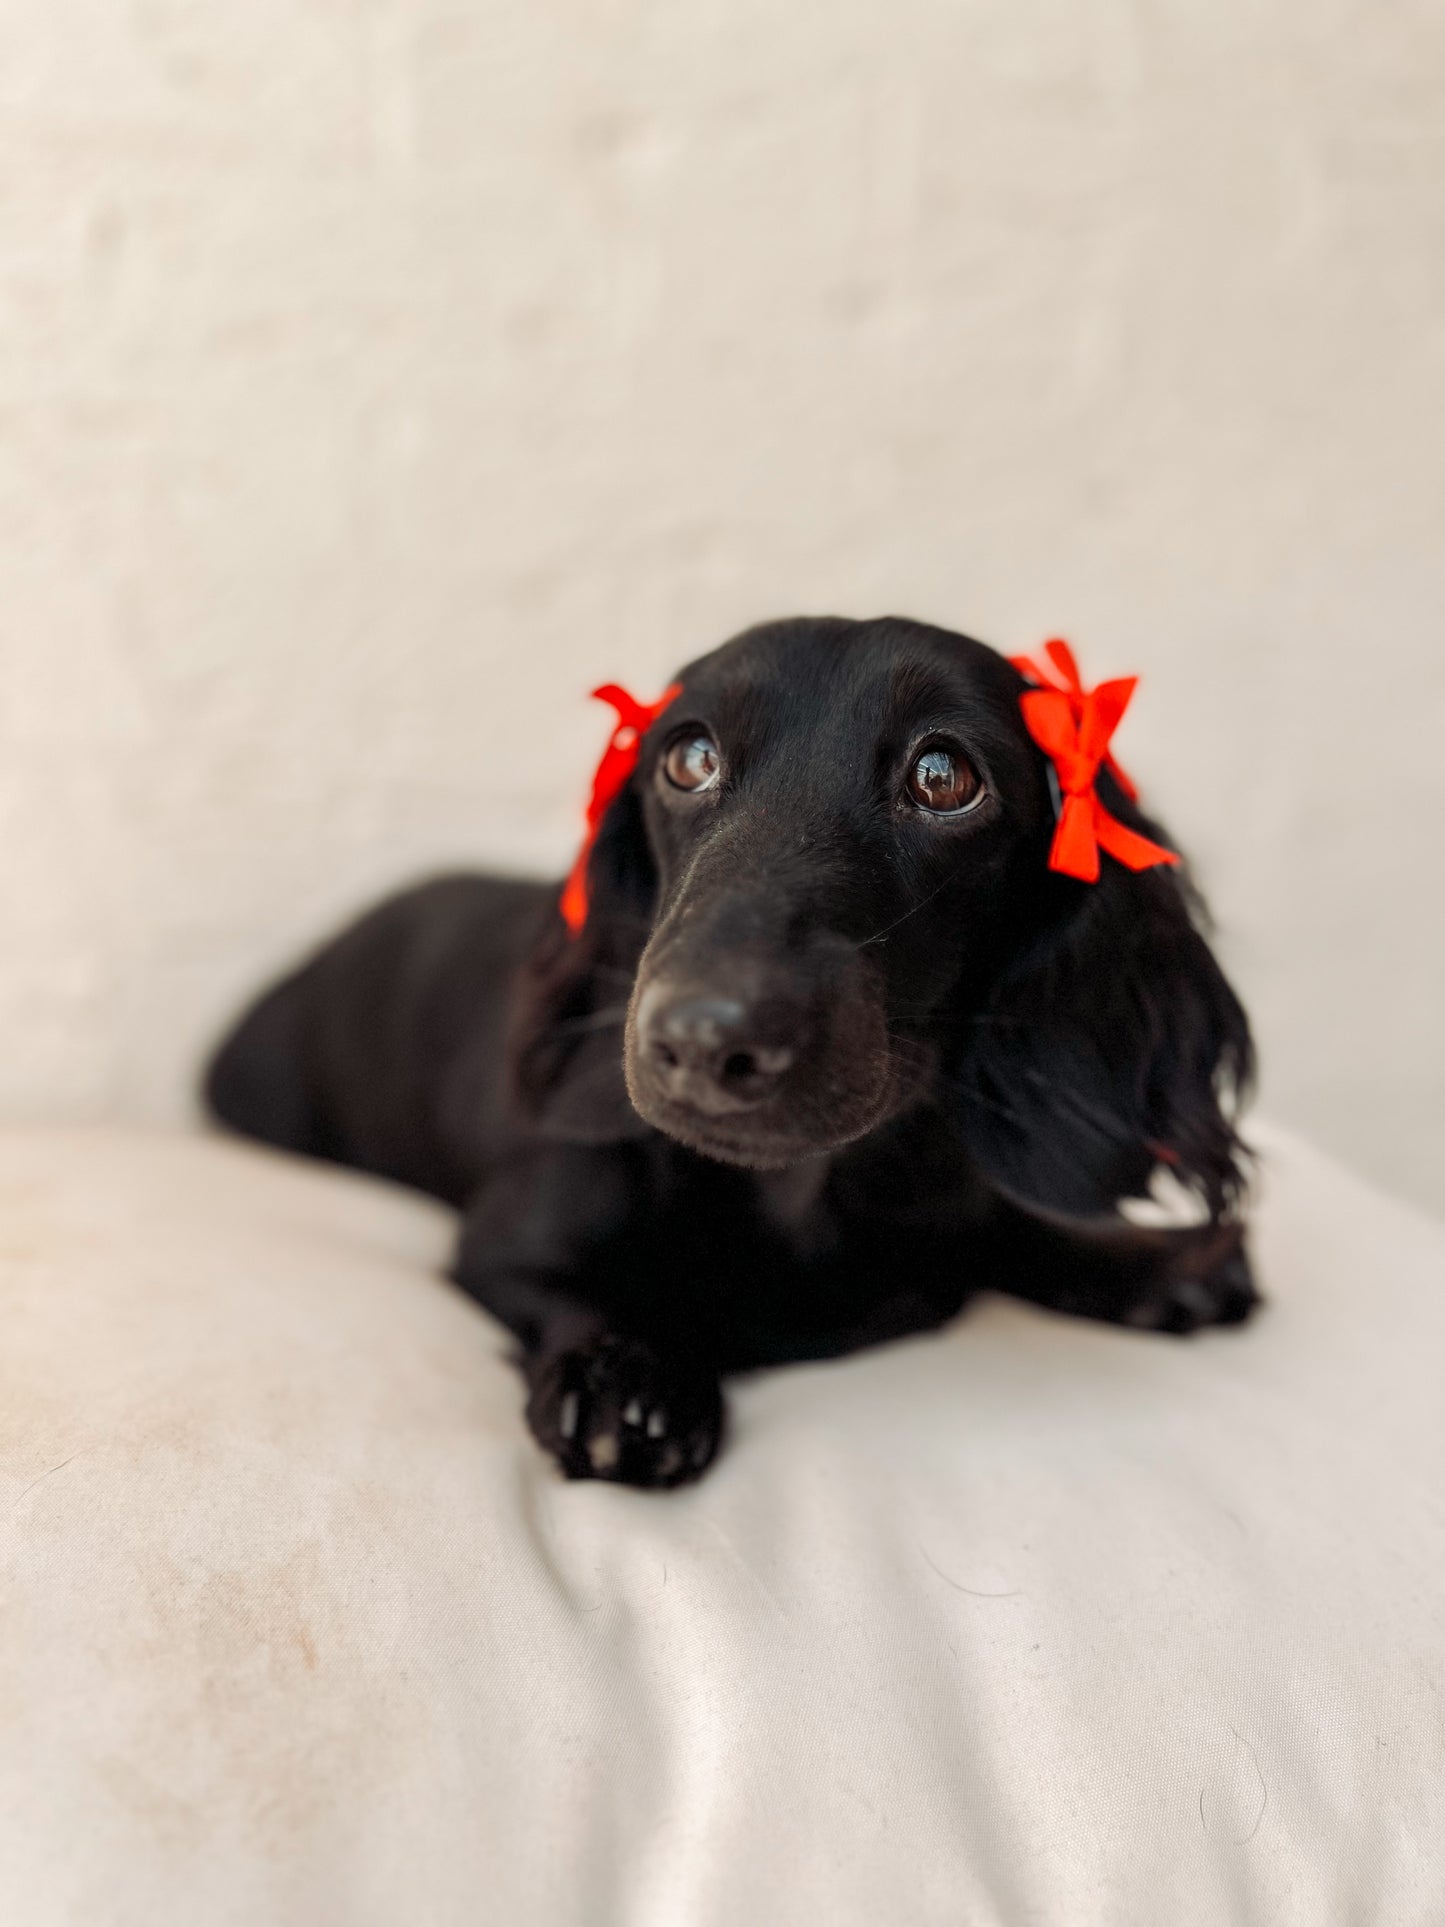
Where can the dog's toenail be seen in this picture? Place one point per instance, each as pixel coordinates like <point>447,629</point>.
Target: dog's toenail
<point>657,1424</point>
<point>567,1419</point>
<point>632,1415</point>
<point>603,1452</point>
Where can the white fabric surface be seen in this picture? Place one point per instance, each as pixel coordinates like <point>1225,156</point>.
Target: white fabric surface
<point>1030,1622</point>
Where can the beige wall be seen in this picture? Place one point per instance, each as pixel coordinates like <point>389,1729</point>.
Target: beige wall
<point>376,374</point>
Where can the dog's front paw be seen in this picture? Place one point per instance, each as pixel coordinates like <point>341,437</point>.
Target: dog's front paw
<point>617,1409</point>
<point>1187,1298</point>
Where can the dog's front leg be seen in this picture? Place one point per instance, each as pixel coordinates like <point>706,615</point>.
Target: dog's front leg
<point>622,1379</point>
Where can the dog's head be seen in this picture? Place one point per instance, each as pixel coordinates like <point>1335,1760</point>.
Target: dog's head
<point>823,899</point>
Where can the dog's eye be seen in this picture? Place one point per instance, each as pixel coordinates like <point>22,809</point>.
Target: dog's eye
<point>944,781</point>
<point>692,763</point>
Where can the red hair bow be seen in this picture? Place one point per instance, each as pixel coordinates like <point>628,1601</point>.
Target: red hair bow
<point>619,760</point>
<point>1072,726</point>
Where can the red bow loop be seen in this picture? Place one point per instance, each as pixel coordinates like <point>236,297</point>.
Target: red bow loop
<point>1063,674</point>
<point>1073,727</point>
<point>619,760</point>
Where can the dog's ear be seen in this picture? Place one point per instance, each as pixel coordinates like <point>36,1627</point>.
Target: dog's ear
<point>1111,1046</point>
<point>567,1022</point>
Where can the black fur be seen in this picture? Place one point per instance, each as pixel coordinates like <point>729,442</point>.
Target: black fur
<point>980,1058</point>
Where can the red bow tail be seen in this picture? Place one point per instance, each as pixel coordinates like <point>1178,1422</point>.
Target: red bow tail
<point>1072,727</point>
<point>619,760</point>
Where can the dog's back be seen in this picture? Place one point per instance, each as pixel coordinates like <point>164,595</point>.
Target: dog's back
<point>385,1049</point>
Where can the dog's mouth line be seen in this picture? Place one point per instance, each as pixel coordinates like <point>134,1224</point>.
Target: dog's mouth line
<point>741,1127</point>
<point>757,1136</point>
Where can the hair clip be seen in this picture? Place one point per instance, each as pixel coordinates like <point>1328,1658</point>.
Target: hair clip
<point>619,760</point>
<point>1072,726</point>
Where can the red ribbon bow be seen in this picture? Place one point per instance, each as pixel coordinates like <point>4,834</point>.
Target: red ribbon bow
<point>619,760</point>
<point>1072,726</point>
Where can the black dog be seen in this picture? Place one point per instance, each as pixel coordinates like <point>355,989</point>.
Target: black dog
<point>834,1050</point>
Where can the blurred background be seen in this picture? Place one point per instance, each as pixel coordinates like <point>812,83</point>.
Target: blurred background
<point>377,375</point>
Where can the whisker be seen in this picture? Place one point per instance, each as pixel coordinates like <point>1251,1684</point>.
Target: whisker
<point>973,1095</point>
<point>606,1019</point>
<point>912,911</point>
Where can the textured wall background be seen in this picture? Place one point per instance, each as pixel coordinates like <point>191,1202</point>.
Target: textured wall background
<point>376,374</point>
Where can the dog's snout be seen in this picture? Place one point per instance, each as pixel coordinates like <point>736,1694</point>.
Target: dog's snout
<point>715,1053</point>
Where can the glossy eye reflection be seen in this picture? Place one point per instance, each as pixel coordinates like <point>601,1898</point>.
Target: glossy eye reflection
<point>692,763</point>
<point>943,781</point>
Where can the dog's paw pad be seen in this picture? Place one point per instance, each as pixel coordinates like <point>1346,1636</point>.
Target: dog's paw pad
<point>620,1411</point>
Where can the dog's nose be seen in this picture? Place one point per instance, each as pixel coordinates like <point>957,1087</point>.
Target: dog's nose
<point>716,1054</point>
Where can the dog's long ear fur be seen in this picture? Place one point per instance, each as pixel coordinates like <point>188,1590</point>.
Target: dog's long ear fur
<point>567,1024</point>
<point>1111,1046</point>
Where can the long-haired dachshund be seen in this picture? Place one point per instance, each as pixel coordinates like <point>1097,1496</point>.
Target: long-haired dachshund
<point>834,1048</point>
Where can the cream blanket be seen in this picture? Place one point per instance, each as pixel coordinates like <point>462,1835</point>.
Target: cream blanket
<point>1029,1622</point>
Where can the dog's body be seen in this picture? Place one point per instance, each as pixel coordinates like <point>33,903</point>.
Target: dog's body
<point>826,1059</point>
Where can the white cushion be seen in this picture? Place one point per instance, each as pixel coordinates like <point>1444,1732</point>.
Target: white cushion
<point>1032,1621</point>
